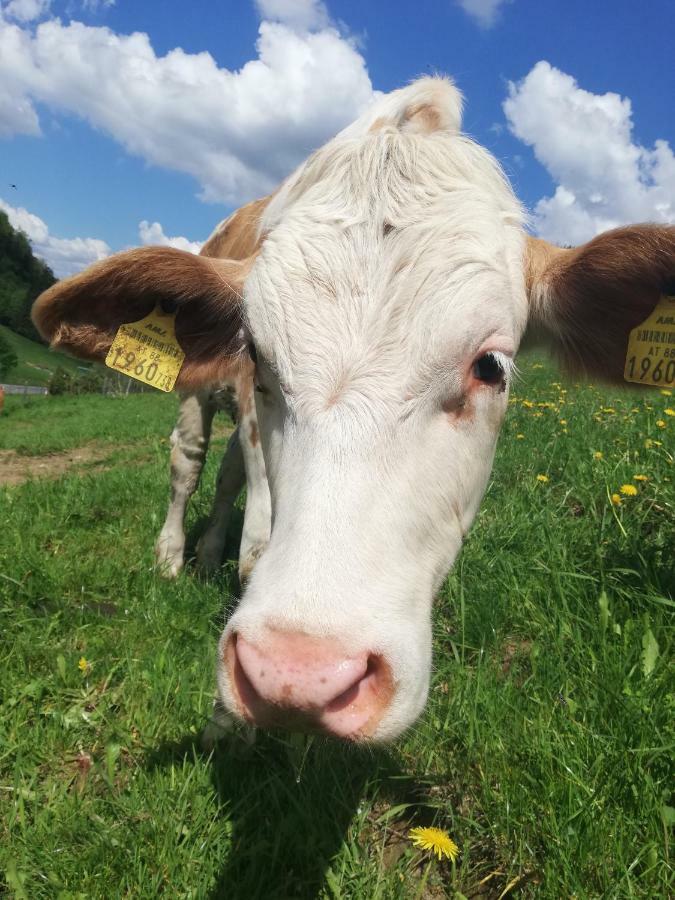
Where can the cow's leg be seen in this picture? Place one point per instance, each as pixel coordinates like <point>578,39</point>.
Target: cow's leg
<point>189,443</point>
<point>258,516</point>
<point>231,477</point>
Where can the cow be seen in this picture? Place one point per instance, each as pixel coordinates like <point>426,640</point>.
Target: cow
<point>234,238</point>
<point>392,286</point>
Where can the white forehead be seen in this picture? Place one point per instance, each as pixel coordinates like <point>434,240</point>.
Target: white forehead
<point>390,248</point>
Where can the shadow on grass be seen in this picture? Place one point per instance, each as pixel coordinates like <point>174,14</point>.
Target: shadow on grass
<point>290,808</point>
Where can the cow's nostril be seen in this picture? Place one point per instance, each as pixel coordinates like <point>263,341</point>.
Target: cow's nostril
<point>299,680</point>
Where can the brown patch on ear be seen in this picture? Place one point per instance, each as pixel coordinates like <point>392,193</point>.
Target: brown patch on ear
<point>82,314</point>
<point>587,300</point>
<point>380,123</point>
<point>422,118</point>
<point>238,236</point>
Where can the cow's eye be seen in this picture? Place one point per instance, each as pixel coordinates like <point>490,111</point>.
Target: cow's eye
<point>488,369</point>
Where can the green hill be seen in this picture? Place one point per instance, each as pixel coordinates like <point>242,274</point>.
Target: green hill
<point>36,362</point>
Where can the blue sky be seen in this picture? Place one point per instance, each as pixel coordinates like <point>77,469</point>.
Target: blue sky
<point>113,140</point>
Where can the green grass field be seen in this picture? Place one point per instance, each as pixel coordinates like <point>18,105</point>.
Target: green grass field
<point>546,748</point>
<point>36,362</point>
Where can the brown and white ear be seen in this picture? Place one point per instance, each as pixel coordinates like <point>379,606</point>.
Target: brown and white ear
<point>81,314</point>
<point>585,301</point>
<point>425,106</point>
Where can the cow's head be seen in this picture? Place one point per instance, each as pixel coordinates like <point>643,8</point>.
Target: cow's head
<point>383,309</point>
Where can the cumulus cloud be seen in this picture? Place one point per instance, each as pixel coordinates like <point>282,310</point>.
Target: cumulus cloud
<point>93,6</point>
<point>154,234</point>
<point>303,15</point>
<point>236,132</point>
<point>17,115</point>
<point>26,10</point>
<point>484,12</point>
<point>604,177</point>
<point>64,256</point>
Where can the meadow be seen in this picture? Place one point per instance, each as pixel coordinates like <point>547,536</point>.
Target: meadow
<point>546,748</point>
<point>36,362</point>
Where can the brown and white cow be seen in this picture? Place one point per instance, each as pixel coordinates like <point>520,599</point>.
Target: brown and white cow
<point>391,291</point>
<point>243,463</point>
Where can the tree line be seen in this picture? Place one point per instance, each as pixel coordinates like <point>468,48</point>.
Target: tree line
<point>23,277</point>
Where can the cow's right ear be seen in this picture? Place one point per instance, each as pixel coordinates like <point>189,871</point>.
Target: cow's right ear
<point>81,314</point>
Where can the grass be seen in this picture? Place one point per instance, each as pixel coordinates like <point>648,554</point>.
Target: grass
<point>36,362</point>
<point>35,426</point>
<point>546,748</point>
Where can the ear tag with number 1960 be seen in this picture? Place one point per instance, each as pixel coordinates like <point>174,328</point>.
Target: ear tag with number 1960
<point>148,350</point>
<point>650,358</point>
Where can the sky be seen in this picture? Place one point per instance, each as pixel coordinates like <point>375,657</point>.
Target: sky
<point>130,122</point>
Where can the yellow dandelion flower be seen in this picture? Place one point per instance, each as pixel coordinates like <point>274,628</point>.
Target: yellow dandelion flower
<point>669,412</point>
<point>83,665</point>
<point>520,437</point>
<point>660,423</point>
<point>666,393</point>
<point>616,500</point>
<point>628,490</point>
<point>537,415</point>
<point>528,404</point>
<point>563,421</point>
<point>649,443</point>
<point>640,478</point>
<point>609,410</point>
<point>544,479</point>
<point>598,455</point>
<point>436,840</point>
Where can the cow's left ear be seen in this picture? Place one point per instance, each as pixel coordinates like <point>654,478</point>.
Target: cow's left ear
<point>585,301</point>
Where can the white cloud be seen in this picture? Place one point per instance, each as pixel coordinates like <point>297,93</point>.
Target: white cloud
<point>154,234</point>
<point>17,115</point>
<point>237,132</point>
<point>604,177</point>
<point>484,12</point>
<point>93,6</point>
<point>303,15</point>
<point>64,256</point>
<point>26,10</point>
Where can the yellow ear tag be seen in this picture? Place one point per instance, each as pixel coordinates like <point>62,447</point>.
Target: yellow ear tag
<point>148,350</point>
<point>650,358</point>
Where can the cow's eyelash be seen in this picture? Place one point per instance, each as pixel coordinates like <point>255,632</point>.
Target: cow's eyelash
<point>492,367</point>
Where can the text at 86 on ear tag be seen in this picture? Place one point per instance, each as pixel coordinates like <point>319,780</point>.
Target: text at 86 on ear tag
<point>650,358</point>
<point>148,350</point>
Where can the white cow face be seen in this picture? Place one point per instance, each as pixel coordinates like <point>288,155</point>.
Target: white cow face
<point>384,307</point>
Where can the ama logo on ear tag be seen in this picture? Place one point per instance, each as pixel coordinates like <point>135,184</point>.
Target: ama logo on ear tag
<point>650,358</point>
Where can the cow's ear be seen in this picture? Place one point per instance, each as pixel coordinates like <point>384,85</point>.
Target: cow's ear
<point>585,301</point>
<point>81,314</point>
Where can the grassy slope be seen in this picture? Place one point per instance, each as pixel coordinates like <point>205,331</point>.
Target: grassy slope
<point>545,749</point>
<point>36,362</point>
